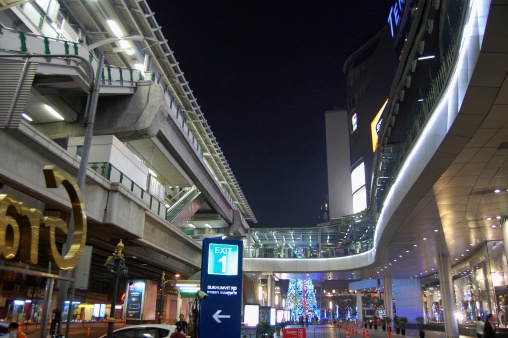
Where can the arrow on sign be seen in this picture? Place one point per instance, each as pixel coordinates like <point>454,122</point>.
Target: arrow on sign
<point>217,316</point>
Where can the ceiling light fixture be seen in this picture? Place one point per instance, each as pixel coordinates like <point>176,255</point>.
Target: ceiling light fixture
<point>115,28</point>
<point>26,117</point>
<point>53,112</point>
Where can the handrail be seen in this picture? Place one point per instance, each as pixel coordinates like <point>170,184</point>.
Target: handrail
<point>112,174</point>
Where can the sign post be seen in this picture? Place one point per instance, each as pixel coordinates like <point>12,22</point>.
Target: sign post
<point>221,281</point>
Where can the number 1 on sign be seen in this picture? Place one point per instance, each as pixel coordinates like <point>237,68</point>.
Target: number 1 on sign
<point>223,261</point>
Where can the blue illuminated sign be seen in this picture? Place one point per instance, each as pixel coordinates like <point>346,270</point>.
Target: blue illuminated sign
<point>221,280</point>
<point>223,259</point>
<point>395,15</point>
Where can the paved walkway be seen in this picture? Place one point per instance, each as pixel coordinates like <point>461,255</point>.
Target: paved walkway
<point>327,331</point>
<point>313,331</point>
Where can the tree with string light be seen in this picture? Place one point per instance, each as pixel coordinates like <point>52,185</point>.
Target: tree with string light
<point>301,299</point>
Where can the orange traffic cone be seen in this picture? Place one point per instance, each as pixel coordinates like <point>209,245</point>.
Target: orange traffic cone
<point>347,335</point>
<point>367,334</point>
<point>363,333</point>
<point>356,329</point>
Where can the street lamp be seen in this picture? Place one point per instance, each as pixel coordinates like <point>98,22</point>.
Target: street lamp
<point>116,264</point>
<point>163,282</point>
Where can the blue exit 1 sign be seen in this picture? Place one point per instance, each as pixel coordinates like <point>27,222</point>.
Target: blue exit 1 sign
<point>223,259</point>
<point>220,314</point>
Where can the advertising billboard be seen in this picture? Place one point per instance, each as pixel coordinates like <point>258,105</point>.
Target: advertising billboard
<point>251,315</point>
<point>134,300</point>
<point>375,127</point>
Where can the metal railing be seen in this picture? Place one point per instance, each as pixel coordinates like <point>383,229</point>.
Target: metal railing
<point>112,174</point>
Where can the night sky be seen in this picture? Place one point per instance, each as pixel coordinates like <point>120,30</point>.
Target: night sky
<point>264,73</point>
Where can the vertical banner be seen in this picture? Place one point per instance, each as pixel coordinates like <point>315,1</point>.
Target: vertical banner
<point>221,280</point>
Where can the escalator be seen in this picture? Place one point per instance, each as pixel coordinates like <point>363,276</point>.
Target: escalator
<point>181,201</point>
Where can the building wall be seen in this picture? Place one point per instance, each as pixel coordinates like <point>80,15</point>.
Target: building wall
<point>369,72</point>
<point>408,298</point>
<point>107,148</point>
<point>337,154</point>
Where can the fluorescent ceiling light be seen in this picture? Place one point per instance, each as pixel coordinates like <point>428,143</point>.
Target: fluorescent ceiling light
<point>151,172</point>
<point>425,57</point>
<point>26,117</point>
<point>124,44</point>
<point>53,112</point>
<point>115,28</point>
<point>188,285</point>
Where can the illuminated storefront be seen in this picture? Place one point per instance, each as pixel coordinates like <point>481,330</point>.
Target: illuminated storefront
<point>480,284</point>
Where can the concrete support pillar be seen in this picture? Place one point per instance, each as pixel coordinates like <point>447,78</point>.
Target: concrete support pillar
<point>387,281</point>
<point>249,244</point>
<point>319,243</point>
<point>359,306</point>
<point>259,292</point>
<point>270,285</point>
<point>447,296</point>
<point>178,305</point>
<point>505,235</point>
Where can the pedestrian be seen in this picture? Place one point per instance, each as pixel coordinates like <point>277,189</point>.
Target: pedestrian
<point>182,323</point>
<point>489,330</point>
<point>480,326</point>
<point>14,331</point>
<point>177,334</point>
<point>191,326</point>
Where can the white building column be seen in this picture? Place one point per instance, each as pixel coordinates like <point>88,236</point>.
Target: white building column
<point>505,235</point>
<point>387,281</point>
<point>249,244</point>
<point>270,285</point>
<point>259,292</point>
<point>178,304</point>
<point>447,296</point>
<point>359,306</point>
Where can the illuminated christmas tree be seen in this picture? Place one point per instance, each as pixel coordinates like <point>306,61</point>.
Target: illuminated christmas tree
<point>301,299</point>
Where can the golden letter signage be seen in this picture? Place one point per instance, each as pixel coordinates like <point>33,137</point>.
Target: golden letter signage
<point>29,226</point>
